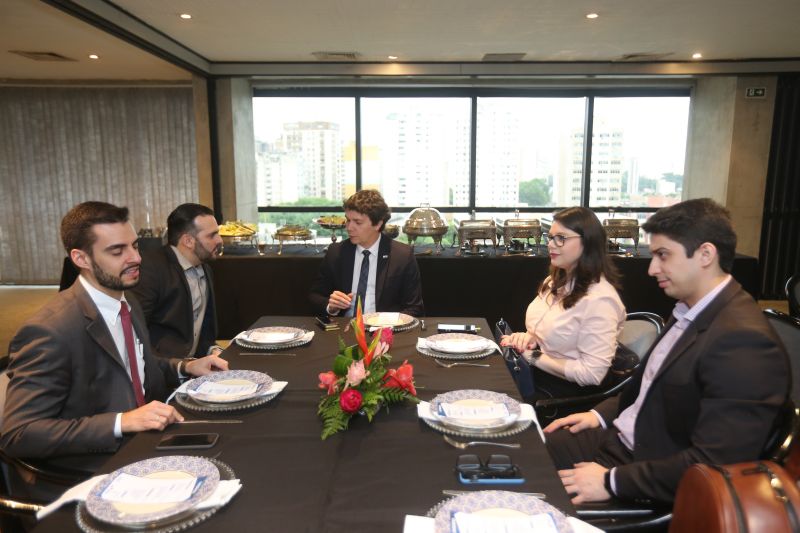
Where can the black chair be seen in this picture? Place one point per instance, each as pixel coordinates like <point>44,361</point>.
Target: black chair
<point>793,295</point>
<point>788,329</point>
<point>640,331</point>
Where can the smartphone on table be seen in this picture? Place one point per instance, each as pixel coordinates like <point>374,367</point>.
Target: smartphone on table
<point>188,441</point>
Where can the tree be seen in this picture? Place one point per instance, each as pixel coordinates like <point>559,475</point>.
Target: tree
<point>534,192</point>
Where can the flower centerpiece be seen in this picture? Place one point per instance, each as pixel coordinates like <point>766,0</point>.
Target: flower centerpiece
<point>360,382</point>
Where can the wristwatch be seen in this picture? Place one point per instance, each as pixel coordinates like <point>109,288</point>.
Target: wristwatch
<point>183,364</point>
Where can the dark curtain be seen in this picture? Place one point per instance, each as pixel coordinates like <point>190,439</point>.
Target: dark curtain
<point>780,237</point>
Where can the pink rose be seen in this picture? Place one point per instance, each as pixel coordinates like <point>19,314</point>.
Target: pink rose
<point>327,380</point>
<point>402,378</point>
<point>356,373</point>
<point>350,401</point>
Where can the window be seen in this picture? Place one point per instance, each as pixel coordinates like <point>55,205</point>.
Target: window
<point>522,149</point>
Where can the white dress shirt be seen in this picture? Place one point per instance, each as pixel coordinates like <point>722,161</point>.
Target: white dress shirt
<point>109,309</point>
<point>198,287</point>
<point>585,335</point>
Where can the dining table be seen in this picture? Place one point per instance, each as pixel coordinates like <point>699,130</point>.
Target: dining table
<point>366,478</point>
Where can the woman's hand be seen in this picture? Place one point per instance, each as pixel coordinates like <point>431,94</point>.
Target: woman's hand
<point>521,342</point>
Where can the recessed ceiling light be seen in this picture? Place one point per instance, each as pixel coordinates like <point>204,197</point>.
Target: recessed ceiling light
<point>185,16</point>
<point>392,57</point>
<point>592,16</point>
<point>94,56</point>
<point>697,55</point>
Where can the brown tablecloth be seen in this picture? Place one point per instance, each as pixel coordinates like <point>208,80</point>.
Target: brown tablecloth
<point>365,479</point>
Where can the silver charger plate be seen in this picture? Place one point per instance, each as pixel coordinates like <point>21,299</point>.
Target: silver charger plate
<point>456,356</point>
<point>458,342</point>
<point>503,430</point>
<point>407,322</point>
<point>184,400</point>
<point>263,381</point>
<point>494,499</point>
<point>89,524</point>
<point>257,346</point>
<point>107,512</point>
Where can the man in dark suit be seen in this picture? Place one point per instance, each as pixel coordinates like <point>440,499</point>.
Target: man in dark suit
<point>709,391</point>
<point>176,289</point>
<point>82,373</point>
<point>379,270</point>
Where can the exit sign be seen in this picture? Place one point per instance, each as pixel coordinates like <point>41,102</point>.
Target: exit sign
<point>755,92</point>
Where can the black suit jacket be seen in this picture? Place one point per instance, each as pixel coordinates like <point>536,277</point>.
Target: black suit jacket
<point>166,300</point>
<point>397,285</point>
<point>68,381</point>
<point>715,398</point>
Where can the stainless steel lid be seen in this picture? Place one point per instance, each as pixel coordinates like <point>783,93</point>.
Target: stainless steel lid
<point>425,221</point>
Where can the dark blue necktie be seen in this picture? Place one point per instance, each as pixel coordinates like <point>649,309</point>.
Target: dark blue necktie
<point>361,291</point>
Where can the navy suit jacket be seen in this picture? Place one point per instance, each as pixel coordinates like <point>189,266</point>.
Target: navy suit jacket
<point>397,285</point>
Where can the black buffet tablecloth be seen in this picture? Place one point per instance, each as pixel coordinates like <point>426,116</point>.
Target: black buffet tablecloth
<point>365,479</point>
<point>491,287</point>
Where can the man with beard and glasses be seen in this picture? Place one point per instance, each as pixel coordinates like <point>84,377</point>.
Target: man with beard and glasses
<point>81,370</point>
<point>176,289</point>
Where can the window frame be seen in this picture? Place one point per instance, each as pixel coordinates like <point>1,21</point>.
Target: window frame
<point>473,94</point>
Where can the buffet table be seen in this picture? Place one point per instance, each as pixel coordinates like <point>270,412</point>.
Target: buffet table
<point>364,479</point>
<point>492,286</point>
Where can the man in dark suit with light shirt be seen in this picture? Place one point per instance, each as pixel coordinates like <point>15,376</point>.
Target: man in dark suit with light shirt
<point>82,373</point>
<point>709,391</point>
<point>176,286</point>
<point>369,265</point>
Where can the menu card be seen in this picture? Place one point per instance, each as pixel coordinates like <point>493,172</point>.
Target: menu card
<point>134,489</point>
<point>474,412</point>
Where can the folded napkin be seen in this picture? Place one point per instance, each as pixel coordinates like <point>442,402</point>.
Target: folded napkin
<point>422,342</point>
<point>526,413</point>
<point>277,386</point>
<point>423,524</point>
<point>464,522</point>
<point>305,338</point>
<point>226,489</point>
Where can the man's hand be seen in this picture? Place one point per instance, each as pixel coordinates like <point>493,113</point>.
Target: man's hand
<point>154,415</point>
<point>586,482</point>
<point>521,342</point>
<point>216,350</point>
<point>205,365</point>
<point>340,300</point>
<point>574,423</point>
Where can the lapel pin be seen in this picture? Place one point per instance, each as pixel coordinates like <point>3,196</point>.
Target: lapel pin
<point>385,256</point>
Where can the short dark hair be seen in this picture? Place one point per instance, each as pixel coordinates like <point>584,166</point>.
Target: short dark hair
<point>181,221</point>
<point>369,202</point>
<point>76,226</point>
<point>594,261</point>
<point>695,222</point>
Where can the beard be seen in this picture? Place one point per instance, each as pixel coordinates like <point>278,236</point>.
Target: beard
<point>110,281</point>
<point>203,254</point>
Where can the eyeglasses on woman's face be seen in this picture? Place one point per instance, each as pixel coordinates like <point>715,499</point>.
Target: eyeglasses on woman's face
<point>559,240</point>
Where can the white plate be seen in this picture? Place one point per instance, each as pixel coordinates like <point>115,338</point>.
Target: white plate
<point>476,398</point>
<point>377,320</point>
<point>495,503</point>
<point>229,377</point>
<point>273,335</point>
<point>168,467</point>
<point>456,343</point>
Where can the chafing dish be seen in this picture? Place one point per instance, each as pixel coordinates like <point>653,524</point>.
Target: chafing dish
<point>391,230</point>
<point>332,223</point>
<point>292,232</point>
<point>425,221</point>
<point>520,228</point>
<point>623,228</point>
<point>469,231</point>
<point>237,235</point>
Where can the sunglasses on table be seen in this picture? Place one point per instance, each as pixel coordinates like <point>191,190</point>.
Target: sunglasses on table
<point>498,466</point>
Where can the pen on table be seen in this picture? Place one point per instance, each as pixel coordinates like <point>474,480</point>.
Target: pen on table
<point>267,353</point>
<point>226,421</point>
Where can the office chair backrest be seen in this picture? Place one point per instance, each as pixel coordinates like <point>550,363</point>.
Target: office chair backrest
<point>788,329</point>
<point>793,295</point>
<point>640,331</point>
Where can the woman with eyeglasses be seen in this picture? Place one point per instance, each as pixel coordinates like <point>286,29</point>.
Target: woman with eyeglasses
<point>573,323</point>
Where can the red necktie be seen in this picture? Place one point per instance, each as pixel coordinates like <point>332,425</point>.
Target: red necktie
<point>127,330</point>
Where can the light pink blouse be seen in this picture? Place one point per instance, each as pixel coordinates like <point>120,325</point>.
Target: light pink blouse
<point>585,335</point>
